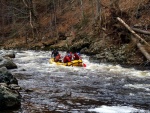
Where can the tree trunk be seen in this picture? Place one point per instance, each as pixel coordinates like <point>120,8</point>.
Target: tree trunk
<point>98,11</point>
<point>93,14</point>
<point>81,2</point>
<point>54,12</point>
<point>33,17</point>
<point>55,18</point>
<point>2,18</point>
<point>98,19</point>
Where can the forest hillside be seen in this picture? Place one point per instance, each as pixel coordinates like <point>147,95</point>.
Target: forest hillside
<point>116,31</point>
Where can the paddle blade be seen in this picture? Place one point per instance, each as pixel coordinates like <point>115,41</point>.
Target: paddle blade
<point>84,65</point>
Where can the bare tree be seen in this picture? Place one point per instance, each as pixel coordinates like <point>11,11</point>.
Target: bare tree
<point>98,11</point>
<point>93,13</point>
<point>98,18</point>
<point>81,2</point>
<point>33,18</point>
<point>2,18</point>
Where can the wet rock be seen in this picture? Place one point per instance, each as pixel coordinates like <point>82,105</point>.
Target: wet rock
<point>79,45</point>
<point>106,56</point>
<point>96,47</point>
<point>10,54</point>
<point>7,62</point>
<point>29,90</point>
<point>3,84</point>
<point>7,77</point>
<point>112,55</point>
<point>84,50</point>
<point>109,56</point>
<point>14,87</point>
<point>23,70</point>
<point>9,99</point>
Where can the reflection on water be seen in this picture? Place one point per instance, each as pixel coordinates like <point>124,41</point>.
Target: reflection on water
<point>99,88</point>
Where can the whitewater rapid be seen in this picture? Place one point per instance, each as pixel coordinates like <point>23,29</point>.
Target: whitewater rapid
<point>35,63</point>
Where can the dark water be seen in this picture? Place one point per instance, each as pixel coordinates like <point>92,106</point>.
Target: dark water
<point>103,88</point>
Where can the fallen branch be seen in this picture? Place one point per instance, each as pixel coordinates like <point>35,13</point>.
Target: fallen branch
<point>143,51</point>
<point>141,48</point>
<point>133,32</point>
<point>141,31</point>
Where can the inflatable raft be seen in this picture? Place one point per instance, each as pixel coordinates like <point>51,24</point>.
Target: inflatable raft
<point>72,63</point>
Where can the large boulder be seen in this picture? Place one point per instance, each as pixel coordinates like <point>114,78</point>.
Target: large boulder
<point>7,77</point>
<point>9,99</point>
<point>9,95</point>
<point>7,62</point>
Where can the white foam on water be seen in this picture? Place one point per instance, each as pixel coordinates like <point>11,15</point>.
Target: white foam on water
<point>28,59</point>
<point>146,87</point>
<point>116,69</point>
<point>117,109</point>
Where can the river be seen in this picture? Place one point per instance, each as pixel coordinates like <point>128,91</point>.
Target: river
<point>96,88</point>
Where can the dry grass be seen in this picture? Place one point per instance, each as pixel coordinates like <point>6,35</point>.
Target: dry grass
<point>128,5</point>
<point>147,49</point>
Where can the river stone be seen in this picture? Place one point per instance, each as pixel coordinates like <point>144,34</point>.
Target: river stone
<point>7,77</point>
<point>7,62</point>
<point>10,54</point>
<point>9,99</point>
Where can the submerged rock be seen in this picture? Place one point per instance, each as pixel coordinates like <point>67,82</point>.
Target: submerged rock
<point>10,54</point>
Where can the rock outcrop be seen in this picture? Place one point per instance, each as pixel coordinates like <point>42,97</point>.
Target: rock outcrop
<point>10,97</point>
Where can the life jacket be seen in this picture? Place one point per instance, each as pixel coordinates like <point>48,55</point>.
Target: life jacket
<point>57,58</point>
<point>66,59</point>
<point>76,56</point>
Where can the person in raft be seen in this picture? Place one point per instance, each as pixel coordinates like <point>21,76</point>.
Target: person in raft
<point>67,57</point>
<point>76,56</point>
<point>57,58</point>
<point>70,55</point>
<point>56,55</point>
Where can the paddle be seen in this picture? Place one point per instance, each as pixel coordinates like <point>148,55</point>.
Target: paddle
<point>84,65</point>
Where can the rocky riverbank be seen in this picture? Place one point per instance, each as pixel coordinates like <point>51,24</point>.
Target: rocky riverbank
<point>9,88</point>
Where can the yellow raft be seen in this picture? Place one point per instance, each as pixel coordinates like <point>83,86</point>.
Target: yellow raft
<point>72,63</point>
